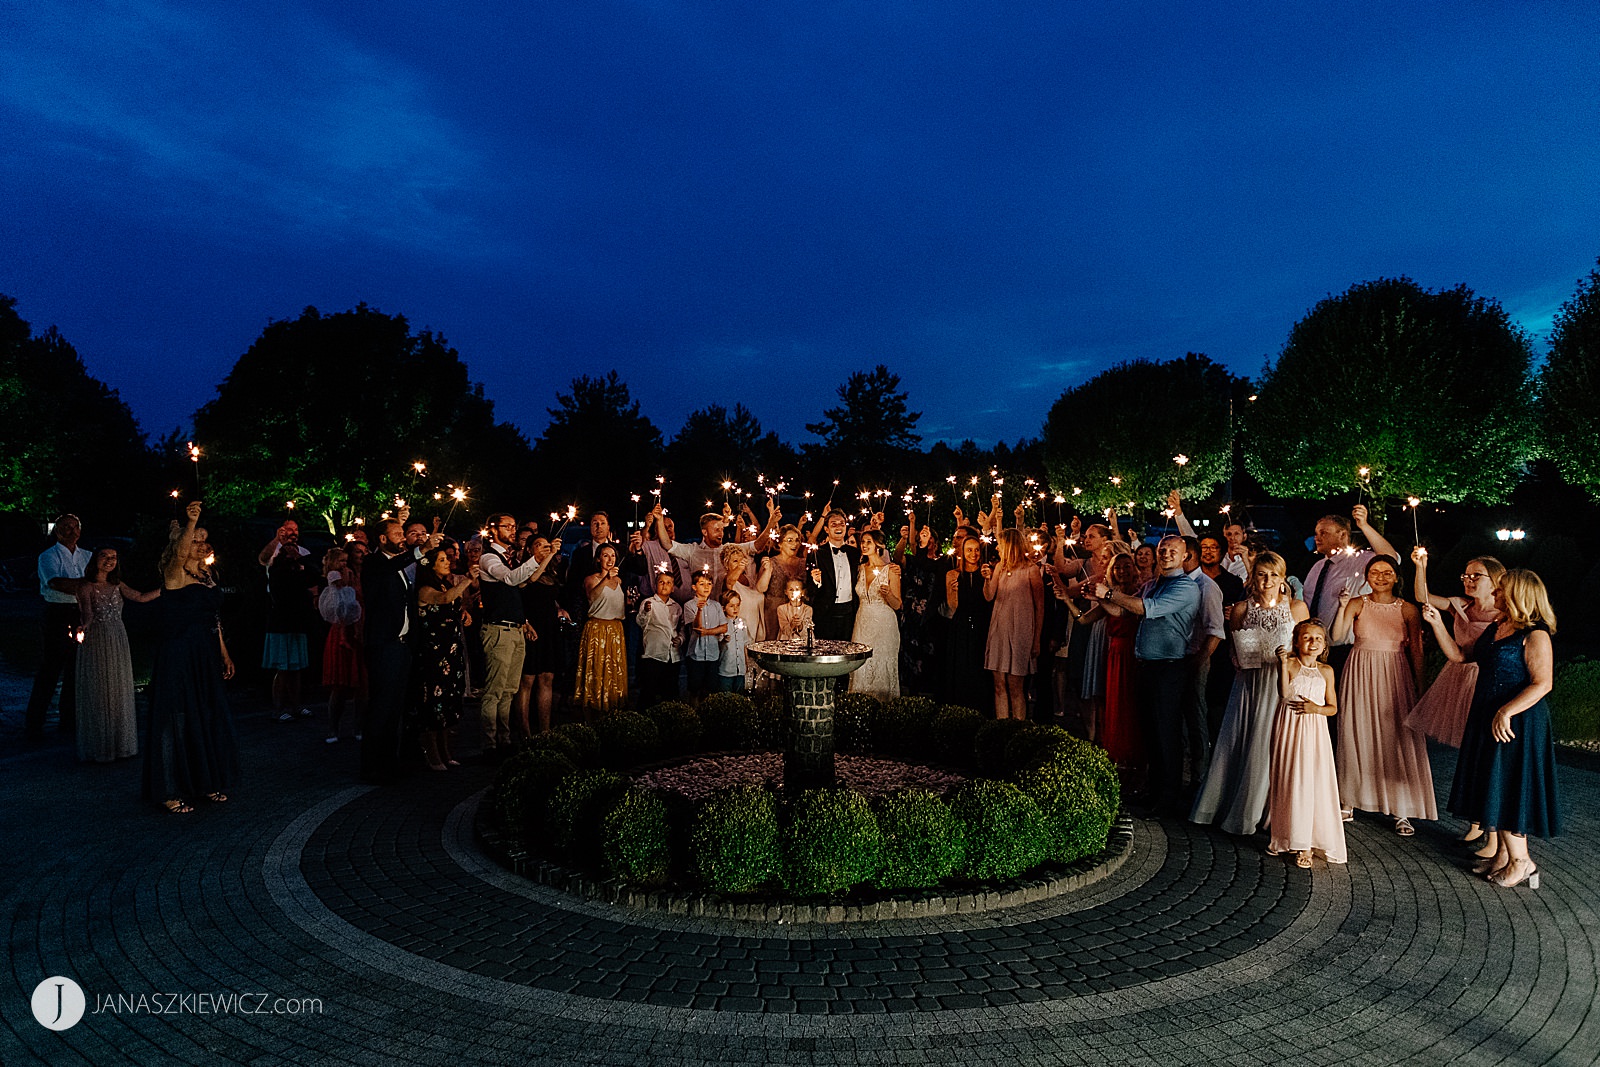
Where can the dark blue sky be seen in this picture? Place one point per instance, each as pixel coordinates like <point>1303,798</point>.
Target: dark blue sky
<point>745,201</point>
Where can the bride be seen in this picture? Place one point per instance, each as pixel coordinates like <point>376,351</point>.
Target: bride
<point>877,625</point>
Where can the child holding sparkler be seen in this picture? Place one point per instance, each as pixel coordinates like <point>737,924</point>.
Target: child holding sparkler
<point>1303,797</point>
<point>660,619</point>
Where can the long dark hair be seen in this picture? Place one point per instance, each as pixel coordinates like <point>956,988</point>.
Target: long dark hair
<point>115,577</point>
<point>425,576</point>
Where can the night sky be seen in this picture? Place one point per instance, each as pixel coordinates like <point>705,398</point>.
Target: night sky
<point>745,201</point>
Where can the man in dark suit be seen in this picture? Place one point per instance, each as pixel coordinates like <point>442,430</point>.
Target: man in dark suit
<point>391,618</point>
<point>832,582</point>
<point>586,561</point>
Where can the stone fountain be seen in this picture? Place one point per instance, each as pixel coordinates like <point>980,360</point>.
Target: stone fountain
<point>812,670</point>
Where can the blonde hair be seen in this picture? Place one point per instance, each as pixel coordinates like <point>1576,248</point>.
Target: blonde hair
<point>730,551</point>
<point>1013,550</point>
<point>1527,602</point>
<point>334,559</point>
<point>1271,560</point>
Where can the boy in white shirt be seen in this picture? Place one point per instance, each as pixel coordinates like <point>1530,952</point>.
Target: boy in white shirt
<point>660,619</point>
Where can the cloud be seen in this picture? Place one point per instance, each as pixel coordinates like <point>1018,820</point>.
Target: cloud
<point>216,117</point>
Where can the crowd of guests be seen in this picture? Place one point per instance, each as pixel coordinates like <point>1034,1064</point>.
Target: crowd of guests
<point>1223,688</point>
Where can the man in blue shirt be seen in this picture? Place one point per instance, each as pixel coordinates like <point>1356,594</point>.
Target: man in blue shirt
<point>1168,607</point>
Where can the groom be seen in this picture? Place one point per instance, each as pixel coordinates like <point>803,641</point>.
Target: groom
<point>832,584</point>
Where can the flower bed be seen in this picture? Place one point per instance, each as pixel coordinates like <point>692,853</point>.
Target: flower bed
<point>1017,796</point>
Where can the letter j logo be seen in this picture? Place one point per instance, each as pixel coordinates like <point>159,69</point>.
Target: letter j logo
<point>58,1003</point>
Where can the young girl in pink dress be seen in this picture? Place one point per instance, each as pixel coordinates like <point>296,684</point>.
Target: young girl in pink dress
<point>1303,796</point>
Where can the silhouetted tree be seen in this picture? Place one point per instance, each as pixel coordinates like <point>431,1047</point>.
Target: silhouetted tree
<point>872,430</point>
<point>331,411</point>
<point>598,447</point>
<point>1569,388</point>
<point>716,444</point>
<point>1430,391</point>
<point>1116,437</point>
<point>67,442</point>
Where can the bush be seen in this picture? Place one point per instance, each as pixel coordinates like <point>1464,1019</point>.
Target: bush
<point>576,807</point>
<point>729,723</point>
<point>901,727</point>
<point>678,725</point>
<point>953,733</point>
<point>830,843</point>
<point>551,742</point>
<point>626,739</point>
<point>633,839</point>
<point>1575,701</point>
<point>1031,744</point>
<point>523,785</point>
<point>1078,794</point>
<point>733,840</point>
<point>1004,829</point>
<point>854,721</point>
<point>923,843</point>
<point>584,741</point>
<point>989,746</point>
<point>772,716</point>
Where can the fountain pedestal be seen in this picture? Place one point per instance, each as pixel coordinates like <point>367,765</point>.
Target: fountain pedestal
<point>811,686</point>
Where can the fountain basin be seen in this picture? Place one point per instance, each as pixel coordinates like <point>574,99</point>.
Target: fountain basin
<point>812,678</point>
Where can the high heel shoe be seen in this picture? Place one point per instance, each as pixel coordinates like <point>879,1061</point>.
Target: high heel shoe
<point>1487,866</point>
<point>1505,881</point>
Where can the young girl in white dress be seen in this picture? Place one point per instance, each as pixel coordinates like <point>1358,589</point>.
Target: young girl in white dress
<point>1303,802</point>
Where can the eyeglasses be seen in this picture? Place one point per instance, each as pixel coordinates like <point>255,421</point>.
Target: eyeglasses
<point>505,525</point>
<point>1472,577</point>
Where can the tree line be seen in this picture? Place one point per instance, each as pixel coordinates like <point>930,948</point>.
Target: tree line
<point>1390,389</point>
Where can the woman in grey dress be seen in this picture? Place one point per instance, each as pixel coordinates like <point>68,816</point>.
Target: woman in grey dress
<point>106,722</point>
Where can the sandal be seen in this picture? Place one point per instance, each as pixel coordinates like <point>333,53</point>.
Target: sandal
<point>176,806</point>
<point>1404,828</point>
<point>217,798</point>
<point>1347,814</point>
<point>1303,861</point>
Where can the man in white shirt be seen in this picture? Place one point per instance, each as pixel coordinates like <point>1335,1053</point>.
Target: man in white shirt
<point>504,645</point>
<point>1233,560</point>
<point>1341,566</point>
<point>61,569</point>
<point>705,555</point>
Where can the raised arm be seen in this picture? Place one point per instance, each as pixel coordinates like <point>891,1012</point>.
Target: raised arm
<point>1175,502</point>
<point>1348,610</point>
<point>1419,556</point>
<point>173,575</point>
<point>1379,543</point>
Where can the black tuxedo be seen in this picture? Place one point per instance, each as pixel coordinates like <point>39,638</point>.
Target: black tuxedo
<point>390,605</point>
<point>834,622</point>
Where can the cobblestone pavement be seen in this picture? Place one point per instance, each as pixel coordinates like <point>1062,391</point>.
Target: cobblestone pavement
<point>376,902</point>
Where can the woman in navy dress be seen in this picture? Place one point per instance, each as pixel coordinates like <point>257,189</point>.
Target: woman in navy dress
<point>190,747</point>
<point>1506,774</point>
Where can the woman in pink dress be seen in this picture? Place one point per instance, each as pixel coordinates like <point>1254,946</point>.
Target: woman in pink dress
<point>1303,797</point>
<point>1383,763</point>
<point>1015,587</point>
<point>777,571</point>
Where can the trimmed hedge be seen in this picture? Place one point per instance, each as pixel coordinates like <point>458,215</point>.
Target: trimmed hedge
<point>902,724</point>
<point>923,842</point>
<point>584,741</point>
<point>730,723</point>
<point>1575,701</point>
<point>989,746</point>
<point>854,722</point>
<point>633,839</point>
<point>626,739</point>
<point>1045,794</point>
<point>523,786</point>
<point>577,805</point>
<point>1005,830</point>
<point>830,842</point>
<point>733,840</point>
<point>953,732</point>
<point>678,726</point>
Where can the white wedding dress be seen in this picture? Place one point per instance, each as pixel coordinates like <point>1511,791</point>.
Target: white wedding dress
<point>878,626</point>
